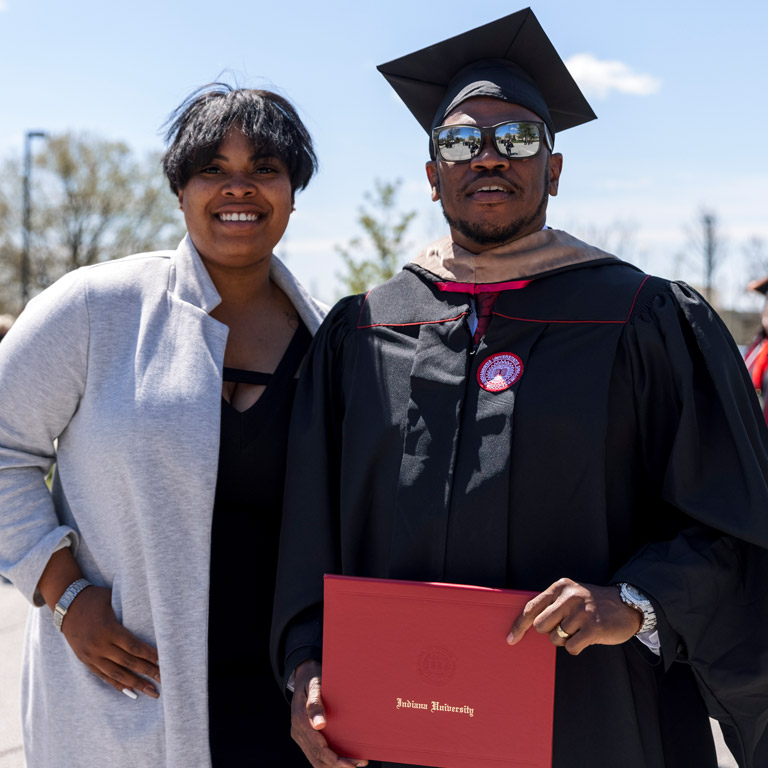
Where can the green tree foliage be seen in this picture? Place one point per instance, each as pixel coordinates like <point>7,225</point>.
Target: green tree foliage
<point>9,259</point>
<point>380,254</point>
<point>92,200</point>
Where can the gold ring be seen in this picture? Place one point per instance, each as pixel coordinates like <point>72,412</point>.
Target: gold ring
<point>562,633</point>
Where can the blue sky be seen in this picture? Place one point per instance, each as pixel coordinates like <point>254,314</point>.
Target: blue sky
<point>678,86</point>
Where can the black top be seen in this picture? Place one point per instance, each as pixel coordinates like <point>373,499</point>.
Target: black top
<point>249,718</point>
<point>626,445</point>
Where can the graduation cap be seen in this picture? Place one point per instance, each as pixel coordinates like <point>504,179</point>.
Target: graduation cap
<point>510,59</point>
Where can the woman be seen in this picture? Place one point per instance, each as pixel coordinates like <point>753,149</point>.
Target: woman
<point>166,379</point>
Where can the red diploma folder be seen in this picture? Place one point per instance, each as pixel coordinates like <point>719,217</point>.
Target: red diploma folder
<point>421,673</point>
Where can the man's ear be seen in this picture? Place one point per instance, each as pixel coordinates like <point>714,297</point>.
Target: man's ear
<point>434,184</point>
<point>181,199</point>
<point>555,169</point>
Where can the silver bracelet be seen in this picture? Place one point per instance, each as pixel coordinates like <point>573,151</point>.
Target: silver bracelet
<point>634,598</point>
<point>70,593</point>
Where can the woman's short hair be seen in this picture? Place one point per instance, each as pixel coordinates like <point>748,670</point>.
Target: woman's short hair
<point>198,126</point>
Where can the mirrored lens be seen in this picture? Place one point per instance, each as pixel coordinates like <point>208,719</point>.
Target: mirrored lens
<point>458,143</point>
<point>518,139</point>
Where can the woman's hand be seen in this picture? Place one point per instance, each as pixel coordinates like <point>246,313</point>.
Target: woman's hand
<point>106,647</point>
<point>92,630</point>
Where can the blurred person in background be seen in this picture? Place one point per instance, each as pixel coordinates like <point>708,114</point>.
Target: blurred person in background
<point>165,380</point>
<point>6,321</point>
<point>756,356</point>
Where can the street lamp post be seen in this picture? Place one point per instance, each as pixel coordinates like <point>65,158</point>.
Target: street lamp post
<point>27,214</point>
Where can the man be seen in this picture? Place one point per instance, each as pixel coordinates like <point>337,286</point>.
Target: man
<point>519,409</point>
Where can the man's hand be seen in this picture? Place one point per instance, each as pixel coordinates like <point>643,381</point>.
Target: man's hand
<point>106,647</point>
<point>308,719</point>
<point>590,615</point>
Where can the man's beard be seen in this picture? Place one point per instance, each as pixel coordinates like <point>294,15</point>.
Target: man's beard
<point>495,234</point>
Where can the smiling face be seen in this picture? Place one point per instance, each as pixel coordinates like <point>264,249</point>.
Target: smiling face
<point>492,199</point>
<point>237,206</point>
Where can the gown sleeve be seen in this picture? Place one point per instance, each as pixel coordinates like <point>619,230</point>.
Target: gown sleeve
<point>309,537</point>
<point>704,443</point>
<point>43,361</point>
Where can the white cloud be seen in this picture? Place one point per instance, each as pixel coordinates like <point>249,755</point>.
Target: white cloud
<point>600,78</point>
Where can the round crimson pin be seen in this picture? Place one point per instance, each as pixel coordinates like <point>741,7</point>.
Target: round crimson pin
<point>499,372</point>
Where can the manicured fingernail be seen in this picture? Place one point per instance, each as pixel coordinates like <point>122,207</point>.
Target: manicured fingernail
<point>318,720</point>
<point>150,691</point>
<point>510,638</point>
<point>130,694</point>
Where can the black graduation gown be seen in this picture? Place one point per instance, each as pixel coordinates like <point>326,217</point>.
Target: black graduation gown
<point>631,448</point>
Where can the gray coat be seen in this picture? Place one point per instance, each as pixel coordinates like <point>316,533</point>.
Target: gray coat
<point>121,363</point>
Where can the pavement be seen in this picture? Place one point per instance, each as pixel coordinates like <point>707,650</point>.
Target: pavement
<point>13,616</point>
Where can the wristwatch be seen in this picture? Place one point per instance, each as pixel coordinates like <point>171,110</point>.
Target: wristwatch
<point>634,598</point>
<point>70,593</point>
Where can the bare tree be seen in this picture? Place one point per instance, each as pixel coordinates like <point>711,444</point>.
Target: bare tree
<point>755,252</point>
<point>707,249</point>
<point>618,238</point>
<point>385,228</point>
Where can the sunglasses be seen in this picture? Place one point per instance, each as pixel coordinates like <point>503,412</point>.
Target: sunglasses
<point>519,139</point>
